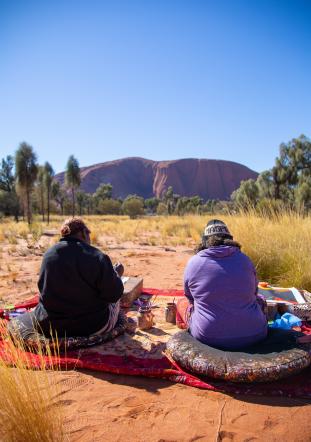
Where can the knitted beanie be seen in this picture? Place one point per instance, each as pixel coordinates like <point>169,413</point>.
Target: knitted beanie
<point>218,228</point>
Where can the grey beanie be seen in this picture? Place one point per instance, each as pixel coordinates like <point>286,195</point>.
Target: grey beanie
<point>216,227</point>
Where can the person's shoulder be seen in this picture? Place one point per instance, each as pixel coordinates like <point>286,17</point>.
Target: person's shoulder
<point>194,260</point>
<point>52,253</point>
<point>53,249</point>
<point>244,257</point>
<point>95,252</point>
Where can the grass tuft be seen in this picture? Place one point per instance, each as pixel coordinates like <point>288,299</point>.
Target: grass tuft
<point>28,406</point>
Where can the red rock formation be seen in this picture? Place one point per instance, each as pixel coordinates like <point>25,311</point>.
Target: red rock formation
<point>210,179</point>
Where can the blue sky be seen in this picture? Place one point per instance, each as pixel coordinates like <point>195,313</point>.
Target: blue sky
<point>159,79</point>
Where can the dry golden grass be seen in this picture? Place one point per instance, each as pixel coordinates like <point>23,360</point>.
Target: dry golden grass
<point>28,408</point>
<point>279,245</point>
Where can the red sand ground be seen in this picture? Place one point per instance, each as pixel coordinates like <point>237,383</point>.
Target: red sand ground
<point>106,407</point>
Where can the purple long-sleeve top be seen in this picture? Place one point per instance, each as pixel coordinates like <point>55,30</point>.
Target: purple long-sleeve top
<point>221,284</point>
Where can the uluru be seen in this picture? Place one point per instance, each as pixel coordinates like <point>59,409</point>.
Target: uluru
<point>210,179</point>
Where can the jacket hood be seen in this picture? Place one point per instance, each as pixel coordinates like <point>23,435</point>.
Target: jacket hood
<point>218,252</point>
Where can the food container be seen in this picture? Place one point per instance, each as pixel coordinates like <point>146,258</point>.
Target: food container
<point>145,318</point>
<point>170,312</point>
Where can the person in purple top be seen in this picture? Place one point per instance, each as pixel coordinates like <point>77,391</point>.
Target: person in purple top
<point>221,307</point>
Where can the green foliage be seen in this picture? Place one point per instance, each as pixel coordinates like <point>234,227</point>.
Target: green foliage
<point>48,176</point>
<point>9,202</point>
<point>270,208</point>
<point>186,204</point>
<point>81,200</point>
<point>133,206</point>
<point>26,170</point>
<point>209,207</point>
<point>72,175</point>
<point>7,179</point>
<point>151,204</point>
<point>59,195</point>
<point>246,196</point>
<point>170,199</point>
<point>162,209</point>
<point>288,182</point>
<point>103,192</point>
<point>109,207</point>
<point>40,191</point>
<point>303,194</point>
<point>89,203</point>
<point>266,187</point>
<point>72,178</point>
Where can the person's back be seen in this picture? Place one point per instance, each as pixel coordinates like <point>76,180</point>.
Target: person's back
<point>222,283</point>
<point>77,282</point>
<point>79,289</point>
<point>221,286</point>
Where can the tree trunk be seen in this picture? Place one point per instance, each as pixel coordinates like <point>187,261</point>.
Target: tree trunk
<point>73,201</point>
<point>28,210</point>
<point>42,204</point>
<point>48,206</point>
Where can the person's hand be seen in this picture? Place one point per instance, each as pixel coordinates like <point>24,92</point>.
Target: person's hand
<point>119,268</point>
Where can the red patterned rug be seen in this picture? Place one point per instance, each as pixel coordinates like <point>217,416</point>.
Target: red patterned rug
<point>142,354</point>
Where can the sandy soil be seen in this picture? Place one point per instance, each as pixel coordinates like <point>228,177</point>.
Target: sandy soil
<point>104,407</point>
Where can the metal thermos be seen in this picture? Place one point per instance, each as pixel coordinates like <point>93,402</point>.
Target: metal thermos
<point>170,312</point>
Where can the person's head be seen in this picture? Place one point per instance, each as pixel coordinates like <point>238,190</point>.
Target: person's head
<point>216,233</point>
<point>77,228</point>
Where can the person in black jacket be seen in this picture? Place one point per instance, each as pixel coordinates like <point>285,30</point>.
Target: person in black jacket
<point>79,288</point>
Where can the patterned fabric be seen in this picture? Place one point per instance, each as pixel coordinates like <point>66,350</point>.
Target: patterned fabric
<point>277,357</point>
<point>117,326</point>
<point>302,311</point>
<point>142,354</point>
<point>114,310</point>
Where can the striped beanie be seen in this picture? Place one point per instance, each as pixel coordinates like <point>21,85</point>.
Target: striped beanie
<point>218,228</point>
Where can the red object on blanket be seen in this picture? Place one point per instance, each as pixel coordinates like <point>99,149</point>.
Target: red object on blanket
<point>168,292</point>
<point>164,368</point>
<point>30,303</point>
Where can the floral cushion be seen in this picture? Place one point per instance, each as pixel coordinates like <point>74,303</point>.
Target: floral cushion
<point>277,357</point>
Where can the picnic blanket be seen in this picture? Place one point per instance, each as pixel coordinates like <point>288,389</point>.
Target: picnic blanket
<point>143,354</point>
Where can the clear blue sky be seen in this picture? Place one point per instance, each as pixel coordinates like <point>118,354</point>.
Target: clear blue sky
<point>160,79</point>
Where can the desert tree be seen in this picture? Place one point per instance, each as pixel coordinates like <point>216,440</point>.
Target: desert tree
<point>59,195</point>
<point>26,170</point>
<point>246,196</point>
<point>40,191</point>
<point>89,203</point>
<point>81,200</point>
<point>9,203</point>
<point>133,206</point>
<point>104,191</point>
<point>48,180</point>
<point>7,179</point>
<point>72,178</point>
<point>151,204</point>
<point>170,199</point>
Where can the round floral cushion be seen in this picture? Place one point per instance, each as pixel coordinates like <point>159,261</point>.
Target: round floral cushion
<point>39,341</point>
<point>277,357</point>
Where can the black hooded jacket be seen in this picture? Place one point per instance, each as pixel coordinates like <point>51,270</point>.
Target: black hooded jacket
<point>76,283</point>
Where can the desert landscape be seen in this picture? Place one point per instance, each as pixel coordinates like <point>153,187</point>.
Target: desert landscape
<point>98,406</point>
<point>148,129</point>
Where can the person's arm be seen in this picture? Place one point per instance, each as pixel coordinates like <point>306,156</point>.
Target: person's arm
<point>110,285</point>
<point>186,286</point>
